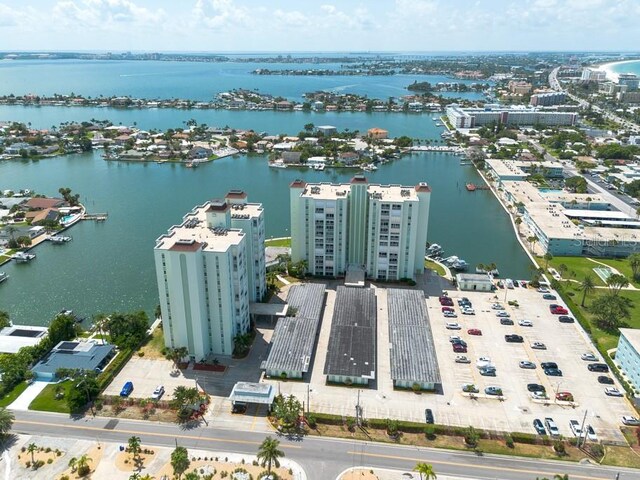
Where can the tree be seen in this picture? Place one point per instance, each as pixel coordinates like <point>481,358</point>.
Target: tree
<point>192,476</point>
<point>100,320</point>
<point>547,258</point>
<point>128,330</point>
<point>634,263</point>
<point>425,470</point>
<point>32,448</point>
<point>135,447</point>
<point>616,282</point>
<point>6,421</point>
<point>587,286</point>
<point>82,465</point>
<point>180,460</point>
<point>518,222</point>
<point>269,453</point>
<point>62,327</point>
<point>287,409</point>
<point>177,354</point>
<point>557,476</point>
<point>72,464</point>
<point>471,436</point>
<point>610,310</point>
<point>4,320</point>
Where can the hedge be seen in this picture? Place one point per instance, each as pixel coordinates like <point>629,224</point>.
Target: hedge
<point>109,373</point>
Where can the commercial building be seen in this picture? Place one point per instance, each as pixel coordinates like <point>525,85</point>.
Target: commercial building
<point>548,99</point>
<point>203,270</point>
<point>88,356</point>
<point>413,355</point>
<point>509,170</point>
<point>519,87</point>
<point>593,75</point>
<point>470,117</point>
<point>628,355</point>
<point>351,357</point>
<point>630,80</point>
<point>380,228</point>
<point>477,282</point>
<point>295,336</point>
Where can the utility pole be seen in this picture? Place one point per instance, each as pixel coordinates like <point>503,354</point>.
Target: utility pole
<point>308,403</point>
<point>582,431</point>
<point>358,411</point>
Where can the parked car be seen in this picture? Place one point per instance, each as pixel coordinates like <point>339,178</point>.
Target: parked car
<point>238,407</point>
<point>553,372</point>
<point>537,424</point>
<point>469,388</point>
<point>604,379</point>
<point>464,301</point>
<point>126,389</point>
<point>527,364</point>
<point>488,371</point>
<point>539,395</point>
<point>449,314</point>
<point>453,326</point>
<point>598,367</point>
<point>589,357</point>
<point>502,313</point>
<point>468,311</point>
<point>158,392</point>
<point>574,425</point>
<point>548,365</point>
<point>497,306</point>
<point>564,396</point>
<point>428,415</point>
<point>444,300</point>
<point>493,390</point>
<point>513,338</point>
<point>459,348</point>
<point>551,427</point>
<point>631,421</point>
<point>459,342</point>
<point>462,359</point>
<point>536,387</point>
<point>558,309</point>
<point>506,321</point>
<point>591,433</point>
<point>525,323</point>
<point>453,338</point>
<point>474,331</point>
<point>612,392</point>
<point>523,283</point>
<point>543,290</point>
<point>565,319</point>
<point>538,346</point>
<point>549,296</point>
<point>448,309</point>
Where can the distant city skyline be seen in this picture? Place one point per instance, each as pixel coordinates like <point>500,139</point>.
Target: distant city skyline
<point>347,25</point>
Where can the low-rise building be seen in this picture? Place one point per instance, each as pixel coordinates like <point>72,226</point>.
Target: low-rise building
<point>14,337</point>
<point>377,133</point>
<point>628,355</point>
<point>477,282</point>
<point>88,356</point>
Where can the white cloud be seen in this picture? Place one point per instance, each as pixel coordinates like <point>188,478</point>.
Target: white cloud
<point>103,14</point>
<point>222,14</point>
<point>12,17</point>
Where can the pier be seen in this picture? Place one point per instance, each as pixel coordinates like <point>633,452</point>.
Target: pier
<point>98,217</point>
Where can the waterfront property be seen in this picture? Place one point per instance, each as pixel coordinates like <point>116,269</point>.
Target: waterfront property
<point>413,355</point>
<point>88,356</point>
<point>14,337</point>
<point>380,228</point>
<point>295,336</point>
<point>470,117</point>
<point>351,356</point>
<point>628,355</point>
<point>480,282</point>
<point>203,275</point>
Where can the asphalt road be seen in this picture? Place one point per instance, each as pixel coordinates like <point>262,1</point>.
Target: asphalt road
<point>321,458</point>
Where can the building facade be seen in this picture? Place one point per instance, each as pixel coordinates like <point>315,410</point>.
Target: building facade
<point>628,355</point>
<point>208,269</point>
<point>381,228</point>
<point>514,115</point>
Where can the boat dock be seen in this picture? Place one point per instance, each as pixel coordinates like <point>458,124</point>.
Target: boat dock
<point>98,217</point>
<point>472,187</point>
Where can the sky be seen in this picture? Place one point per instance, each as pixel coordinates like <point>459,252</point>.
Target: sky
<point>326,25</point>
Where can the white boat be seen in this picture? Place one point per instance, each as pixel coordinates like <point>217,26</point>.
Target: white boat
<point>493,273</point>
<point>434,250</point>
<point>319,167</point>
<point>3,276</point>
<point>369,167</point>
<point>460,265</point>
<point>277,164</point>
<point>59,239</point>
<point>23,257</point>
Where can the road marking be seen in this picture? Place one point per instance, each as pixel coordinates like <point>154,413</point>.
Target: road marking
<point>137,433</point>
<point>458,464</point>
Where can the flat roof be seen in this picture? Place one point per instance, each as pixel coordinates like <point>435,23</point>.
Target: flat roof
<point>504,168</point>
<point>384,193</point>
<point>272,309</point>
<point>248,392</point>
<point>603,214</point>
<point>74,355</point>
<point>474,277</point>
<point>352,341</point>
<point>14,337</point>
<point>413,353</point>
<point>294,338</point>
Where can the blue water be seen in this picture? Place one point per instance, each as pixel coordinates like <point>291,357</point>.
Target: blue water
<point>631,67</point>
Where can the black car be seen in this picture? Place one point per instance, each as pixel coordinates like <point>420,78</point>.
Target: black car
<point>238,407</point>
<point>565,319</point>
<point>458,341</point>
<point>535,387</point>
<point>606,380</point>
<point>513,338</point>
<point>428,415</point>
<point>538,425</point>
<point>553,372</point>
<point>598,367</point>
<point>544,365</point>
<point>506,321</point>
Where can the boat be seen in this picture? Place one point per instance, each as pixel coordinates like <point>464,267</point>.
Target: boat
<point>369,167</point>
<point>460,265</point>
<point>435,119</point>
<point>319,167</point>
<point>493,272</point>
<point>3,276</point>
<point>471,187</point>
<point>59,239</point>
<point>277,164</point>
<point>23,257</point>
<point>434,250</point>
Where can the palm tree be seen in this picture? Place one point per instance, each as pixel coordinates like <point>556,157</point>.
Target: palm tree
<point>269,453</point>
<point>135,476</point>
<point>634,263</point>
<point>425,470</point>
<point>134,446</point>
<point>587,286</point>
<point>180,461</point>
<point>557,476</point>
<point>82,465</point>
<point>100,321</point>
<point>72,464</point>
<point>616,282</point>
<point>6,421</point>
<point>32,448</point>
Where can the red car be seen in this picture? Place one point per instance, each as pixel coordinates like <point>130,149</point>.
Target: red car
<point>558,309</point>
<point>564,396</point>
<point>458,348</point>
<point>448,309</point>
<point>446,301</point>
<point>474,331</point>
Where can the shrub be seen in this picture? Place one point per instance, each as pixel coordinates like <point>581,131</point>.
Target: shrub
<point>140,353</point>
<point>311,421</point>
<point>64,477</point>
<point>351,423</point>
<point>559,447</point>
<point>508,440</point>
<point>471,437</point>
<point>596,450</point>
<point>392,427</point>
<point>50,461</point>
<point>429,432</point>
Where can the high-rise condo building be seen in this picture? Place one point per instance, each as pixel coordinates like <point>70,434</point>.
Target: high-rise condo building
<point>379,228</point>
<point>208,269</point>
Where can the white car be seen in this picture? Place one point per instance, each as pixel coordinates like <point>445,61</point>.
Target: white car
<point>453,338</point>
<point>158,392</point>
<point>462,359</point>
<point>591,433</point>
<point>629,420</point>
<point>453,326</point>
<point>497,306</point>
<point>612,392</point>
<point>589,357</point>
<point>449,314</point>
<point>503,314</point>
<point>538,395</point>
<point>538,346</point>
<point>543,290</point>
<point>525,323</point>
<point>468,311</point>
<point>484,362</point>
<point>574,425</point>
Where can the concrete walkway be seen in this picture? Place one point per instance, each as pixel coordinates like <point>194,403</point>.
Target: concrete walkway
<point>26,397</point>
<point>385,474</point>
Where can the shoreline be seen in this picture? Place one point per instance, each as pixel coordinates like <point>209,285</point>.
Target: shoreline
<point>609,68</point>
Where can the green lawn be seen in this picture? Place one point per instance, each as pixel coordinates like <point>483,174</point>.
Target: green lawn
<point>434,266</point>
<point>577,268</point>
<point>47,401</point>
<point>278,242</point>
<point>622,266</point>
<point>13,394</point>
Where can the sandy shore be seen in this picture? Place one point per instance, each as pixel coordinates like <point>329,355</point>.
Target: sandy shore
<point>609,68</point>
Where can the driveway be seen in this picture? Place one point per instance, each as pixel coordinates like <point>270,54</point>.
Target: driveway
<point>25,399</point>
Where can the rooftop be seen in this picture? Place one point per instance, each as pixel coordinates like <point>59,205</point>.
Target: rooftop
<point>74,355</point>
<point>413,354</point>
<point>474,277</point>
<point>15,337</point>
<point>248,392</point>
<point>352,342</point>
<point>388,193</point>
